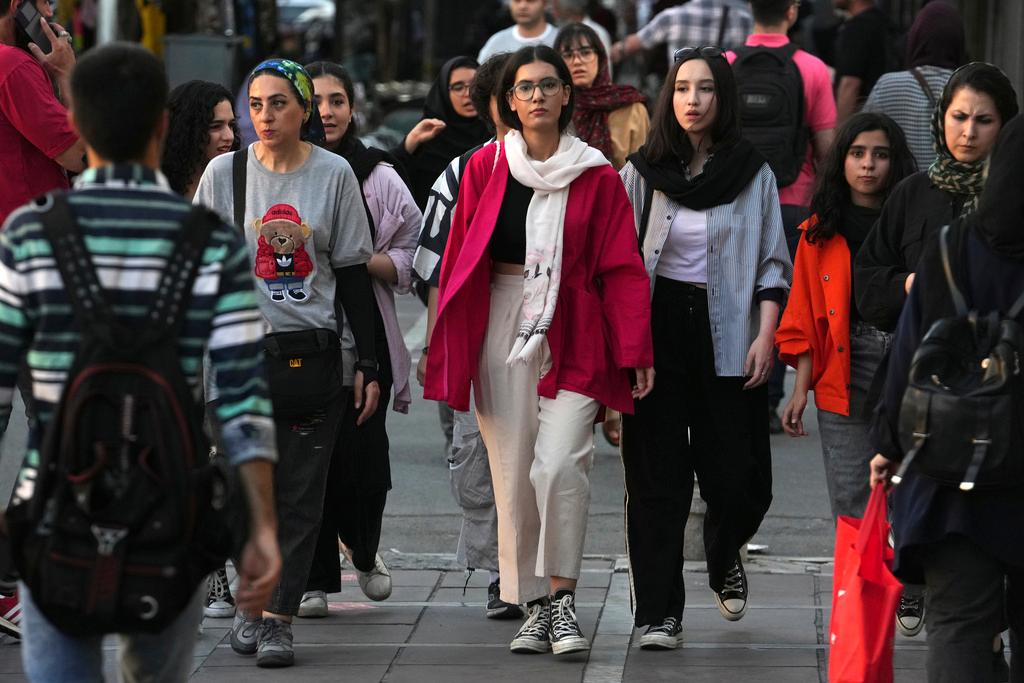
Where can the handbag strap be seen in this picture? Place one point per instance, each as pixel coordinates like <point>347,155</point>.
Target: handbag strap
<point>923,82</point>
<point>645,214</point>
<point>958,298</point>
<point>238,168</point>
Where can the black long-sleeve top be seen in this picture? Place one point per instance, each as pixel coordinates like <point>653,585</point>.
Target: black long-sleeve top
<point>915,211</point>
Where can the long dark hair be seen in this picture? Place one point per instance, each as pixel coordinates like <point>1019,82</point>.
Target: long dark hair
<point>668,140</point>
<point>529,55</point>
<point>190,112</point>
<point>323,68</point>
<point>831,197</point>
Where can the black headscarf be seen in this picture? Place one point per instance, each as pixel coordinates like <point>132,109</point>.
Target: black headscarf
<point>937,37</point>
<point>999,220</point>
<point>727,171</point>
<point>459,135</point>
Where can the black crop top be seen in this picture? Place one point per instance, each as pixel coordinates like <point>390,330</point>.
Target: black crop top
<point>508,243</point>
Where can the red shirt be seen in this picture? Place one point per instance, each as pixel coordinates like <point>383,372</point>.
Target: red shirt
<point>819,110</point>
<point>602,323</point>
<point>34,130</point>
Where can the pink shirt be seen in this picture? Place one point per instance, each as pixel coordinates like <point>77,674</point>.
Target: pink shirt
<point>819,110</point>
<point>34,130</point>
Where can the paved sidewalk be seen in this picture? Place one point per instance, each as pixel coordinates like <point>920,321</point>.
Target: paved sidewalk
<point>430,631</point>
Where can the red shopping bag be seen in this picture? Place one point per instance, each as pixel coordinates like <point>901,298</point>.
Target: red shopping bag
<point>864,598</point>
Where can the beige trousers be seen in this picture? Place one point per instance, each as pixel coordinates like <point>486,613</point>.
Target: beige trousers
<point>540,451</point>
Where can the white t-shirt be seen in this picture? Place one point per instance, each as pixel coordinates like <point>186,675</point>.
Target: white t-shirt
<point>684,256</point>
<point>510,40</point>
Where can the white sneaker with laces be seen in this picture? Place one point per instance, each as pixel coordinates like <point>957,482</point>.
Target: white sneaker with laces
<point>376,583</point>
<point>313,605</point>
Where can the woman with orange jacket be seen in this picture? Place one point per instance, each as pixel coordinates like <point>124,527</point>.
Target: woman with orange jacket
<point>821,334</point>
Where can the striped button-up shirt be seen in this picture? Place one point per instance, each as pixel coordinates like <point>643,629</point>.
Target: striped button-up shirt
<point>746,254</point>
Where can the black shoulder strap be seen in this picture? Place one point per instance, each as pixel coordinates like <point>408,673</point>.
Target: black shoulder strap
<point>923,82</point>
<point>722,25</point>
<point>645,214</point>
<point>238,167</point>
<point>958,298</point>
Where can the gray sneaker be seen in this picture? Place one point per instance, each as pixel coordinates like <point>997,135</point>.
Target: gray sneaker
<point>244,634</point>
<point>275,645</point>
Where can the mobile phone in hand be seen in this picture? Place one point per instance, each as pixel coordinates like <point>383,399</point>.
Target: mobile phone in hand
<point>27,20</point>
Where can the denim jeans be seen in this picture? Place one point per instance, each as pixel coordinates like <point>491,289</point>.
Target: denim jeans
<point>50,656</point>
<point>845,446</point>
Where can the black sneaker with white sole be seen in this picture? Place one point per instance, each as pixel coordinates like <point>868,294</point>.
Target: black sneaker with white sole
<point>732,599</point>
<point>219,603</point>
<point>566,636</point>
<point>498,608</point>
<point>534,636</point>
<point>910,614</point>
<point>664,636</point>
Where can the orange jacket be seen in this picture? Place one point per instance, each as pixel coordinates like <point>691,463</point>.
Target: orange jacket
<point>817,318</point>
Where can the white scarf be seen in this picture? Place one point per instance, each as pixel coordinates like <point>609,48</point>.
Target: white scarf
<point>545,223</point>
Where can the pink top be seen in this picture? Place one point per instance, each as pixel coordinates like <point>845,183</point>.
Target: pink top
<point>602,323</point>
<point>819,110</point>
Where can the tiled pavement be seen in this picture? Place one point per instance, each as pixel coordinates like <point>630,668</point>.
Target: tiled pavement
<point>431,631</point>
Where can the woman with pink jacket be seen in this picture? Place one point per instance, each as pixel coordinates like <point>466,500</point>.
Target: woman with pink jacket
<point>544,310</point>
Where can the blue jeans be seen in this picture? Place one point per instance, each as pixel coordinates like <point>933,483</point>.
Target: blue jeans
<point>50,656</point>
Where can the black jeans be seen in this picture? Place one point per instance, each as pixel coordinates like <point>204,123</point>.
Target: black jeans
<point>965,606</point>
<point>357,491</point>
<point>693,422</point>
<point>792,217</point>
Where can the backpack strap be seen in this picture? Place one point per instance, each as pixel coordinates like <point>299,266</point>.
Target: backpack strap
<point>923,82</point>
<point>1017,308</point>
<point>645,214</point>
<point>958,298</point>
<point>238,168</point>
<point>722,25</point>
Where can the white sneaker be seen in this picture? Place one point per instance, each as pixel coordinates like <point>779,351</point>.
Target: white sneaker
<point>313,605</point>
<point>376,583</point>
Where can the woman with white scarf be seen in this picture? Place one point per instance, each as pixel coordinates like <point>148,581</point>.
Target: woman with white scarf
<point>544,311</point>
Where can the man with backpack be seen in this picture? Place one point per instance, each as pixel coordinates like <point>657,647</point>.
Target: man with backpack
<point>788,113</point>
<point>113,291</point>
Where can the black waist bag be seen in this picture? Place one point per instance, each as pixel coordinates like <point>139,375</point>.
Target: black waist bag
<point>304,369</point>
<point>125,517</point>
<point>962,417</point>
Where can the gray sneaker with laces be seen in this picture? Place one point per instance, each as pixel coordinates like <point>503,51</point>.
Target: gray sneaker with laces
<point>275,648</point>
<point>566,635</point>
<point>244,634</point>
<point>534,635</point>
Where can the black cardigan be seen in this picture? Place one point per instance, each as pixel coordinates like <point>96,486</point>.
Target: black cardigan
<point>914,212</point>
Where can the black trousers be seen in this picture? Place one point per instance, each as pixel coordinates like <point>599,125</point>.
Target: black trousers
<point>357,491</point>
<point>693,422</point>
<point>965,606</point>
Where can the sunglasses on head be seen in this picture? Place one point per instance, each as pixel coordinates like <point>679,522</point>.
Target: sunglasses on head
<point>705,51</point>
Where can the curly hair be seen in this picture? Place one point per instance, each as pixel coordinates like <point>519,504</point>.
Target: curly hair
<point>831,197</point>
<point>190,112</point>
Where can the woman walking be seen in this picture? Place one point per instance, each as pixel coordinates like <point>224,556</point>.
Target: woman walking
<point>822,335</point>
<point>200,126</point>
<point>303,217</point>
<point>544,311</point>
<point>707,207</point>
<point>360,473</point>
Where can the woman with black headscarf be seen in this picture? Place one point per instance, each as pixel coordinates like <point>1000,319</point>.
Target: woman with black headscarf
<point>450,127</point>
<point>935,47</point>
<point>962,545</point>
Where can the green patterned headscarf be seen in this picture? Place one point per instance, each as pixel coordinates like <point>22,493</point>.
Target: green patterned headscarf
<point>302,85</point>
<point>966,179</point>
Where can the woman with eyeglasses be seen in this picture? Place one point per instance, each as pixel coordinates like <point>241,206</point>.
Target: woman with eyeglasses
<point>707,208</point>
<point>544,312</point>
<point>450,127</point>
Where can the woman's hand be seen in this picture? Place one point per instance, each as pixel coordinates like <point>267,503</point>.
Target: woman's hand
<point>421,369</point>
<point>793,414</point>
<point>425,130</point>
<point>759,360</point>
<point>908,283</point>
<point>644,382</point>
<point>881,470</point>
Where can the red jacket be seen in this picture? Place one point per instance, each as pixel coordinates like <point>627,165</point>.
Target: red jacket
<point>817,318</point>
<point>602,323</point>
<point>266,261</point>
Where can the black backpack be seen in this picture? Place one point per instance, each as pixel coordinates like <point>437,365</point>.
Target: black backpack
<point>962,417</point>
<point>127,513</point>
<point>771,92</point>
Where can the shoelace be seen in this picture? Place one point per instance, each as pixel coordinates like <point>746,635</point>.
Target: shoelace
<point>563,622</point>
<point>909,604</point>
<point>219,589</point>
<point>667,627</point>
<point>734,581</point>
<point>536,624</point>
<point>275,631</point>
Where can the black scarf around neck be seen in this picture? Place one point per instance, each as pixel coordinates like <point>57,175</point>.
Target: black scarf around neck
<point>727,172</point>
<point>361,158</point>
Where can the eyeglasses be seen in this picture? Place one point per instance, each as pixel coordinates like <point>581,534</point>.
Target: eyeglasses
<point>706,51</point>
<point>524,90</point>
<point>459,86</point>
<point>584,54</point>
